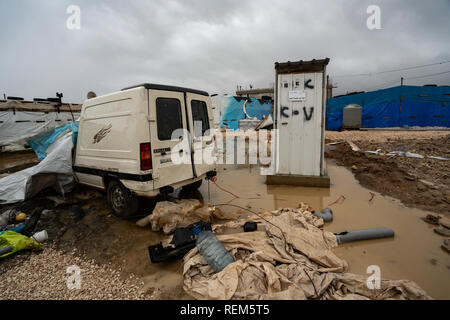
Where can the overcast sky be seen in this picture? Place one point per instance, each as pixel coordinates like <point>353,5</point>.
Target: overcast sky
<point>214,45</point>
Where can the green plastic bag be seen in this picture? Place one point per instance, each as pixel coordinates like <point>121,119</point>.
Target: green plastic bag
<point>17,241</point>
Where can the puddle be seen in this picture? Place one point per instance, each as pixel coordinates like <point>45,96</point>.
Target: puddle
<point>413,254</point>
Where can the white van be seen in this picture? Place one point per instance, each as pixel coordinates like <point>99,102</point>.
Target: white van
<point>125,143</point>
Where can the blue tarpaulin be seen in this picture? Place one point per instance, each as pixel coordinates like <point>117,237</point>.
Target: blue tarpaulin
<point>41,142</point>
<point>233,111</point>
<point>422,106</point>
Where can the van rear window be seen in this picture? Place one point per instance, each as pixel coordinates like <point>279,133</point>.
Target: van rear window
<point>200,114</point>
<point>168,117</point>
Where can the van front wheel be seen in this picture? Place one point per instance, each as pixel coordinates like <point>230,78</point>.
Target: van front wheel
<point>121,200</point>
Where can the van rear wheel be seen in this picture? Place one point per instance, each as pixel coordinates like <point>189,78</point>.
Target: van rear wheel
<point>193,186</point>
<point>121,200</point>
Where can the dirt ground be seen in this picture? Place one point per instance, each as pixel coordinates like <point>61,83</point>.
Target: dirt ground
<point>420,183</point>
<point>83,221</point>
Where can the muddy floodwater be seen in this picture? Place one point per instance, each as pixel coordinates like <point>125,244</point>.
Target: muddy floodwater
<point>413,254</point>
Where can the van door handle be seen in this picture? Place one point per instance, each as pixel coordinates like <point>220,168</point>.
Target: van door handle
<point>209,142</point>
<point>181,151</point>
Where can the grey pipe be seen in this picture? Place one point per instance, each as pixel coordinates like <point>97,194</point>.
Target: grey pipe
<point>326,214</point>
<point>358,235</point>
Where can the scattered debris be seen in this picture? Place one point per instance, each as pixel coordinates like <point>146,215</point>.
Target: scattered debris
<point>213,251</point>
<point>291,260</point>
<point>16,242</point>
<point>183,240</point>
<point>250,226</point>
<point>367,234</point>
<point>354,146</point>
<point>171,215</point>
<point>326,214</point>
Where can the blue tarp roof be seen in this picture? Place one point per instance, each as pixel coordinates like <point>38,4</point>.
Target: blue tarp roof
<point>394,107</point>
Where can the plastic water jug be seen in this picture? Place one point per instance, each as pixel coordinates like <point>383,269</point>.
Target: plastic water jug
<point>213,251</point>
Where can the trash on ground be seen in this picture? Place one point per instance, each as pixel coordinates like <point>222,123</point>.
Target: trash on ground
<point>213,251</point>
<point>183,240</point>
<point>403,154</point>
<point>169,215</point>
<point>367,234</point>
<point>40,236</point>
<point>326,214</point>
<point>353,146</point>
<point>17,241</point>
<point>292,259</point>
<point>250,226</point>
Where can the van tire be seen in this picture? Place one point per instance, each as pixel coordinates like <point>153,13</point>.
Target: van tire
<point>193,186</point>
<point>123,202</point>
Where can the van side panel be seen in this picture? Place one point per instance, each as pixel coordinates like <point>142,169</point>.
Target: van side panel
<point>112,127</point>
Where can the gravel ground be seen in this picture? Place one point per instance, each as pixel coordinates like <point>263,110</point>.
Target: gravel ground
<point>43,275</point>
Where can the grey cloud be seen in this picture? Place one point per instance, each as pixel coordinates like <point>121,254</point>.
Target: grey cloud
<point>212,45</point>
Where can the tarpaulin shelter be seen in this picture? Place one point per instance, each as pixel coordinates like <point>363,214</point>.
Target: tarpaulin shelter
<point>233,110</point>
<point>423,106</point>
<point>54,148</point>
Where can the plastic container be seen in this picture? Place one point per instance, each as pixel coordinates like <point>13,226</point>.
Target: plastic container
<point>213,251</point>
<point>40,236</point>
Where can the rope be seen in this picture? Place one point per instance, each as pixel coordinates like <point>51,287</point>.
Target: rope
<point>338,200</point>
<point>214,179</point>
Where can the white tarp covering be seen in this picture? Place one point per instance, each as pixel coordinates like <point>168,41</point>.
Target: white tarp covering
<point>54,171</point>
<point>19,126</point>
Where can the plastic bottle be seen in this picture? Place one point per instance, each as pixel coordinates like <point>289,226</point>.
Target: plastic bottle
<point>213,251</point>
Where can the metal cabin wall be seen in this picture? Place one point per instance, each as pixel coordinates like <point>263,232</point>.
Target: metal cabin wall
<point>300,124</point>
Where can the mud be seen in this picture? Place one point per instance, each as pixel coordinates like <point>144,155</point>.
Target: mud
<point>407,256</point>
<point>418,183</point>
<point>84,221</point>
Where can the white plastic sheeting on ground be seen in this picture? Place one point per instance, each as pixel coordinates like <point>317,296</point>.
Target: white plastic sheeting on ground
<point>17,127</point>
<point>299,265</point>
<point>54,171</point>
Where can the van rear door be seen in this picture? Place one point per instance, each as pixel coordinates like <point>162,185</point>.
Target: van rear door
<point>200,122</point>
<point>170,145</point>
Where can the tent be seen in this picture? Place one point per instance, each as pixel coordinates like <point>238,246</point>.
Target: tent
<point>423,106</point>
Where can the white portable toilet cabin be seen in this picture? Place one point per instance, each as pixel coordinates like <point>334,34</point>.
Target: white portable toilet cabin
<point>300,123</point>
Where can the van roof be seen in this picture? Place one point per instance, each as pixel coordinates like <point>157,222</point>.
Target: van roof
<point>167,88</point>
